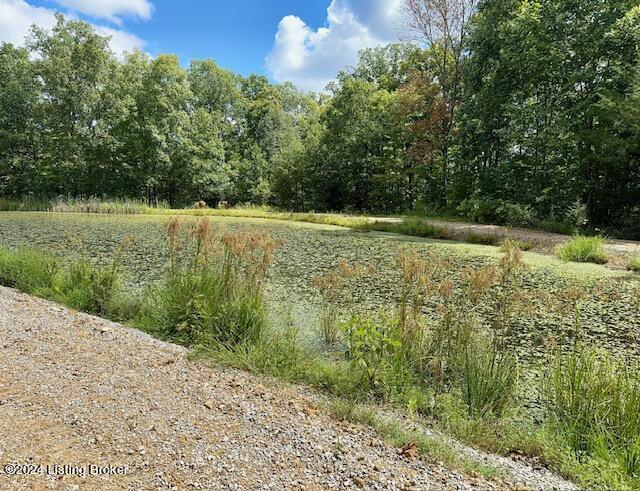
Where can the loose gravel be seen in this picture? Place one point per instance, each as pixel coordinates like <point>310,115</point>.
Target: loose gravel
<point>79,394</point>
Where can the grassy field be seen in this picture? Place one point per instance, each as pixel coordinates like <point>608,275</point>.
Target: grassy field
<point>610,312</point>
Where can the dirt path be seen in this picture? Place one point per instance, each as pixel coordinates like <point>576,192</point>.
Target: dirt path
<point>76,391</point>
<point>543,241</point>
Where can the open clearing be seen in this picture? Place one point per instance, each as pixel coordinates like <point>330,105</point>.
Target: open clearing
<point>610,314</point>
<point>79,390</point>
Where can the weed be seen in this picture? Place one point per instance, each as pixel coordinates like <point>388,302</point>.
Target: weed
<point>410,442</point>
<point>337,292</point>
<point>593,400</point>
<point>483,239</point>
<point>372,346</point>
<point>489,379</point>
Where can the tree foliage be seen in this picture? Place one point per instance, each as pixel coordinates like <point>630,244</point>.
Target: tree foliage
<point>513,111</point>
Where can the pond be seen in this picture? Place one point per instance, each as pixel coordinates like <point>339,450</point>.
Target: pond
<point>610,314</point>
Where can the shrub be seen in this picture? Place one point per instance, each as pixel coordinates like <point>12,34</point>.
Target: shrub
<point>372,346</point>
<point>515,214</point>
<point>583,249</point>
<point>576,215</point>
<point>480,210</point>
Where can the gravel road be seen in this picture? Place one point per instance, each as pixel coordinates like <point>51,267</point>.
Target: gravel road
<point>88,404</point>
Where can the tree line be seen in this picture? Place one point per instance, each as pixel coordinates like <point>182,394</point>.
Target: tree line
<point>510,111</point>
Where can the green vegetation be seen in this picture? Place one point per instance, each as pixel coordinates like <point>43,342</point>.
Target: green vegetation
<point>214,297</point>
<point>409,226</point>
<point>525,114</point>
<point>634,264</point>
<point>80,285</point>
<point>583,249</point>
<point>452,365</point>
<point>433,448</point>
<point>410,128</point>
<point>594,402</point>
<point>310,251</point>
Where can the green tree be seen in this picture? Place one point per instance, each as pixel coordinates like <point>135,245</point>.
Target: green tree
<point>20,172</point>
<point>72,64</point>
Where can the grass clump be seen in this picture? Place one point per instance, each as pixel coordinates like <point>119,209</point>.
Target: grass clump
<point>212,295</point>
<point>489,380</point>
<point>634,264</point>
<point>411,442</point>
<point>412,226</point>
<point>583,249</point>
<point>27,270</point>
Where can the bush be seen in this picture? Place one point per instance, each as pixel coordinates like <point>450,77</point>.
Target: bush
<point>515,214</point>
<point>583,249</point>
<point>576,215</point>
<point>372,346</point>
<point>480,210</point>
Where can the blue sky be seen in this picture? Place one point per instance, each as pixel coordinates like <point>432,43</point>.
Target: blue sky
<point>304,41</point>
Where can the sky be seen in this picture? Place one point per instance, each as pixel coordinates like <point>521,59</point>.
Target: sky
<point>303,41</point>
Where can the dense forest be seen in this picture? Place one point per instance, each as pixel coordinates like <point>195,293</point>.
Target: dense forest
<point>510,111</point>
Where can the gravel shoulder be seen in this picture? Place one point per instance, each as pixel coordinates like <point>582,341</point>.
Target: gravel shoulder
<point>77,390</point>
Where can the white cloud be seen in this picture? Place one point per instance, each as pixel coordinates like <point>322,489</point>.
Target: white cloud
<point>312,58</point>
<point>121,41</point>
<point>111,10</point>
<point>17,16</point>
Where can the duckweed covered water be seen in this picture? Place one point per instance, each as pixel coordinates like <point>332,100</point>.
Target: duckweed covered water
<point>610,314</point>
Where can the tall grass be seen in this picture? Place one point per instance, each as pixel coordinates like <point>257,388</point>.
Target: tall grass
<point>583,249</point>
<point>214,295</point>
<point>124,206</point>
<point>593,400</point>
<point>408,226</point>
<point>634,264</point>
<point>78,284</point>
